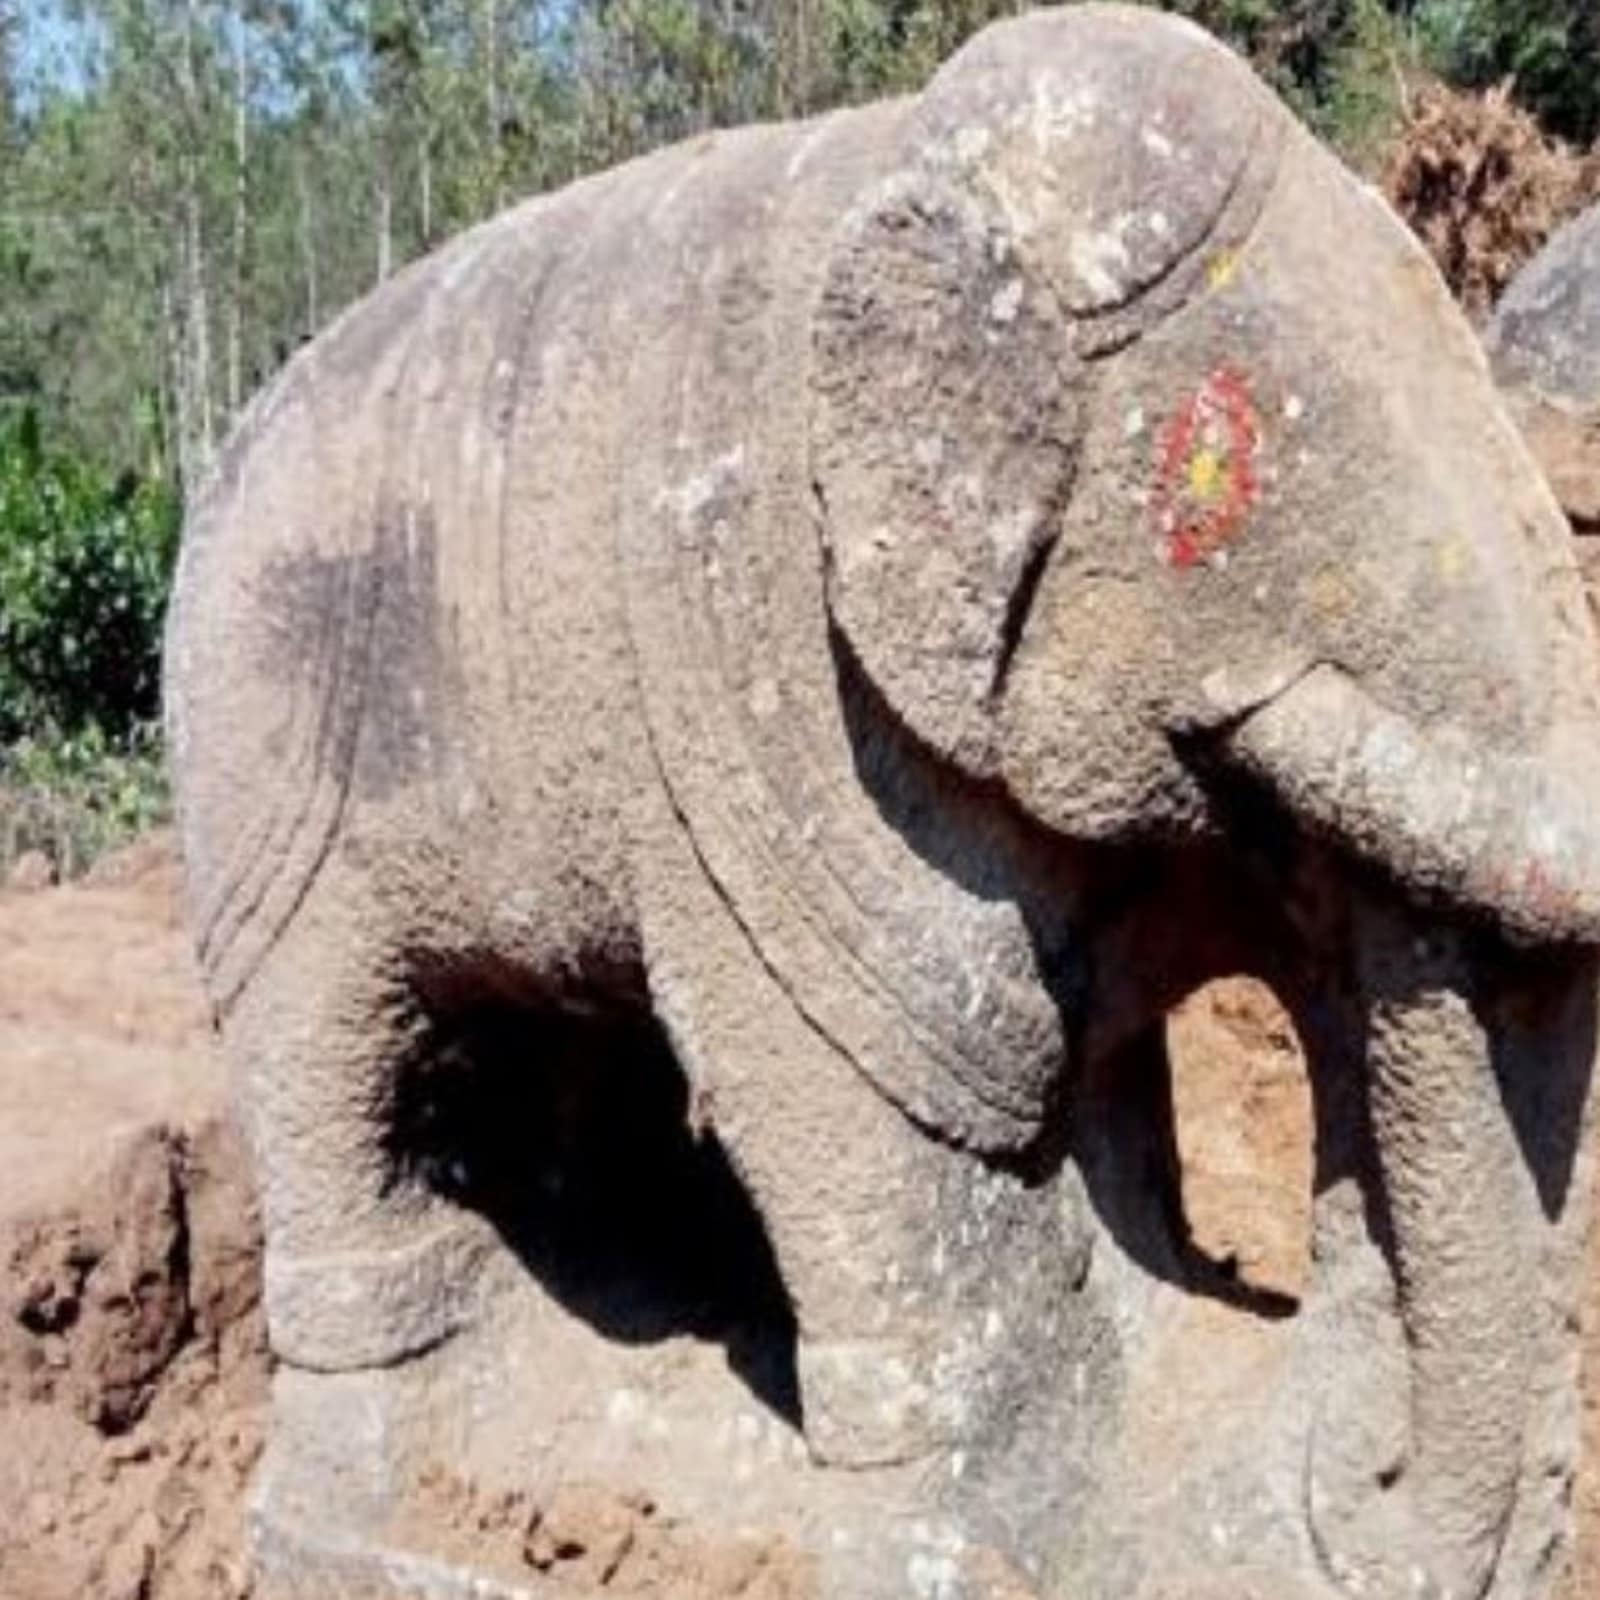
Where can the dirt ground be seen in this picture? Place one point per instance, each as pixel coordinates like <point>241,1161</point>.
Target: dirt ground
<point>132,1359</point>
<point>133,1366</point>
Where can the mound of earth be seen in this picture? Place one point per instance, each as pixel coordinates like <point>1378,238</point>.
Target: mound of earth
<point>133,1363</point>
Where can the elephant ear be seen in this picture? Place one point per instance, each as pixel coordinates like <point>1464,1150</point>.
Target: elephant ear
<point>945,415</point>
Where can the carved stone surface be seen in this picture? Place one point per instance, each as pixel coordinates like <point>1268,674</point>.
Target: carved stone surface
<point>713,719</point>
<point>1544,345</point>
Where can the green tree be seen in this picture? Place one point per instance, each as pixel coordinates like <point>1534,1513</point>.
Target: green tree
<point>85,563</point>
<point>1549,48</point>
<point>8,82</point>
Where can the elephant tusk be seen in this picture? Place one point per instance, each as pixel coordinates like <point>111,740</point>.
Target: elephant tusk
<point>1509,836</point>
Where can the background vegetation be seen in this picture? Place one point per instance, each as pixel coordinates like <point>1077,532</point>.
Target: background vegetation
<point>189,189</point>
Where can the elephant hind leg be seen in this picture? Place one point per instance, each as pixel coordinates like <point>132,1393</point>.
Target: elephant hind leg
<point>418,1104</point>
<point>574,1138</point>
<point>364,1264</point>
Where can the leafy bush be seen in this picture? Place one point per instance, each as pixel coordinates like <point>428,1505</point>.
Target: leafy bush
<point>1339,62</point>
<point>1296,45</point>
<point>75,797</point>
<point>1482,186</point>
<point>85,564</point>
<point>1548,49</point>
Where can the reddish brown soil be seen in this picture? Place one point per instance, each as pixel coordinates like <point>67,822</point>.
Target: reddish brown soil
<point>132,1361</point>
<point>590,1537</point>
<point>1242,1105</point>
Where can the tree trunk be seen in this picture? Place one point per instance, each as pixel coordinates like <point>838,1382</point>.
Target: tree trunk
<point>174,330</point>
<point>491,96</point>
<point>425,188</point>
<point>196,372</point>
<point>241,210</point>
<point>308,244</point>
<point>8,75</point>
<point>385,222</point>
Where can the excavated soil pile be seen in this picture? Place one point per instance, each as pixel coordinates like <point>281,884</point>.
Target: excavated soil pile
<point>133,1368</point>
<point>132,1359</point>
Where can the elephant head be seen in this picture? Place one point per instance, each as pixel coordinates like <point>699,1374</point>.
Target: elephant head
<point>1154,467</point>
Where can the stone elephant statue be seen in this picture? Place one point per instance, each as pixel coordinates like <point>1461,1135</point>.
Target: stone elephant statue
<point>896,601</point>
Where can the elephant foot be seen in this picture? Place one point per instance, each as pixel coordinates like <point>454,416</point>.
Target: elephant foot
<point>866,1402</point>
<point>1364,1519</point>
<point>345,1311</point>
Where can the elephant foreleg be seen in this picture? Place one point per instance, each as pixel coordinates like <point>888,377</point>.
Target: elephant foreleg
<point>926,1284</point>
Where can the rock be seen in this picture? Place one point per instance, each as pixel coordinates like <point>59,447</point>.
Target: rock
<point>1132,391</point>
<point>1546,329</point>
<point>1544,346</point>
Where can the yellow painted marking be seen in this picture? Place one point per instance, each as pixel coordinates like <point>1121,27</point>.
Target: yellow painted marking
<point>1222,269</point>
<point>1207,474</point>
<point>1452,558</point>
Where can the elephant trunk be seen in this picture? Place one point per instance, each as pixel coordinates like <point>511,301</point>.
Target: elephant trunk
<point>1514,837</point>
<point>1466,1231</point>
<point>1456,1043</point>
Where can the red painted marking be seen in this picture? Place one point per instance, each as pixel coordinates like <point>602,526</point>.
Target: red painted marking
<point>1218,420</point>
<point>1182,551</point>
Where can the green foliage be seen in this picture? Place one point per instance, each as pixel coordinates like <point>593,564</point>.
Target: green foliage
<point>874,47</point>
<point>1337,62</point>
<point>1549,48</point>
<point>75,797</point>
<point>1363,101</point>
<point>1295,44</point>
<point>651,71</point>
<point>85,563</point>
